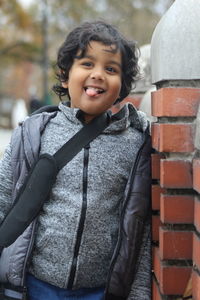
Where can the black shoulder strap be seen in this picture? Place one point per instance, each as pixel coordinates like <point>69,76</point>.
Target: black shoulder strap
<point>40,180</point>
<point>82,138</point>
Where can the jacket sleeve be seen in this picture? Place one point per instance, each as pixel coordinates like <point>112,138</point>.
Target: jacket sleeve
<point>141,287</point>
<point>5,183</point>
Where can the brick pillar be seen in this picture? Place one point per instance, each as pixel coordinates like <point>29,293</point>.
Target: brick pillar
<point>176,159</point>
<point>196,235</point>
<point>173,196</point>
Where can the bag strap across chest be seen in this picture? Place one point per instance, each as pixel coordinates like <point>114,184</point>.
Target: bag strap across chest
<point>37,187</point>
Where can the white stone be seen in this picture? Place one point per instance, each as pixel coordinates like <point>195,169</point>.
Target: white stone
<point>144,83</point>
<point>175,45</point>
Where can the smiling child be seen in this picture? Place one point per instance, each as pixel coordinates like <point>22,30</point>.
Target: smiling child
<point>91,239</point>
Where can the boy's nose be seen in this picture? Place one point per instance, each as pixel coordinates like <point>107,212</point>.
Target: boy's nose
<point>97,74</point>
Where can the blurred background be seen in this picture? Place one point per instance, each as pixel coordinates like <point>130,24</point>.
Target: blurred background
<point>31,33</point>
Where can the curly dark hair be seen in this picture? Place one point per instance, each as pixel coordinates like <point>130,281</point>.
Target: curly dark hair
<point>79,38</point>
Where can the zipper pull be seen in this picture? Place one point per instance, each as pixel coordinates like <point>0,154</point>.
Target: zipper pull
<point>87,146</point>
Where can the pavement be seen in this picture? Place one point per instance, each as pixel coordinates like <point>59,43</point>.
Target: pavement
<point>5,135</point>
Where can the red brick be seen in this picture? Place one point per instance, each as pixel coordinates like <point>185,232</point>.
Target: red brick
<point>172,279</point>
<point>195,286</point>
<point>155,134</point>
<point>156,191</point>
<point>155,227</point>
<point>155,165</point>
<point>175,244</point>
<point>155,291</point>
<point>177,209</point>
<point>197,214</point>
<point>175,174</point>
<point>196,174</point>
<point>156,262</point>
<point>196,250</point>
<point>173,137</point>
<point>175,102</point>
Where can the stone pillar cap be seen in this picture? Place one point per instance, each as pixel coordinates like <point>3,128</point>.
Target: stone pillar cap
<point>175,45</point>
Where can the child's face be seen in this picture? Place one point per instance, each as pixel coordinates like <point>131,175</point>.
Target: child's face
<point>94,81</point>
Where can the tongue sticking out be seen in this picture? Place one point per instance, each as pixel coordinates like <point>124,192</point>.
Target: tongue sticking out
<point>91,92</point>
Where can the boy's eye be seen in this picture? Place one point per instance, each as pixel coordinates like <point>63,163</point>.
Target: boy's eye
<point>87,63</point>
<point>111,70</point>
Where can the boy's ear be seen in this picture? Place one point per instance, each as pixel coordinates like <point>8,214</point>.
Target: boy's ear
<point>65,85</point>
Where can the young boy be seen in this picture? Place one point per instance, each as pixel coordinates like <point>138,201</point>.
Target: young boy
<point>93,234</point>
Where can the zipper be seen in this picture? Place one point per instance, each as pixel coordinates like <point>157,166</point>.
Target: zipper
<point>116,252</point>
<point>82,218</point>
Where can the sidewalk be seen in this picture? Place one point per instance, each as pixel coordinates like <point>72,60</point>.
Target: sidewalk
<point>5,136</point>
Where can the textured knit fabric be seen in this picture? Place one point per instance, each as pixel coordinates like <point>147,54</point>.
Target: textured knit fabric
<point>108,170</point>
<point>111,156</point>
